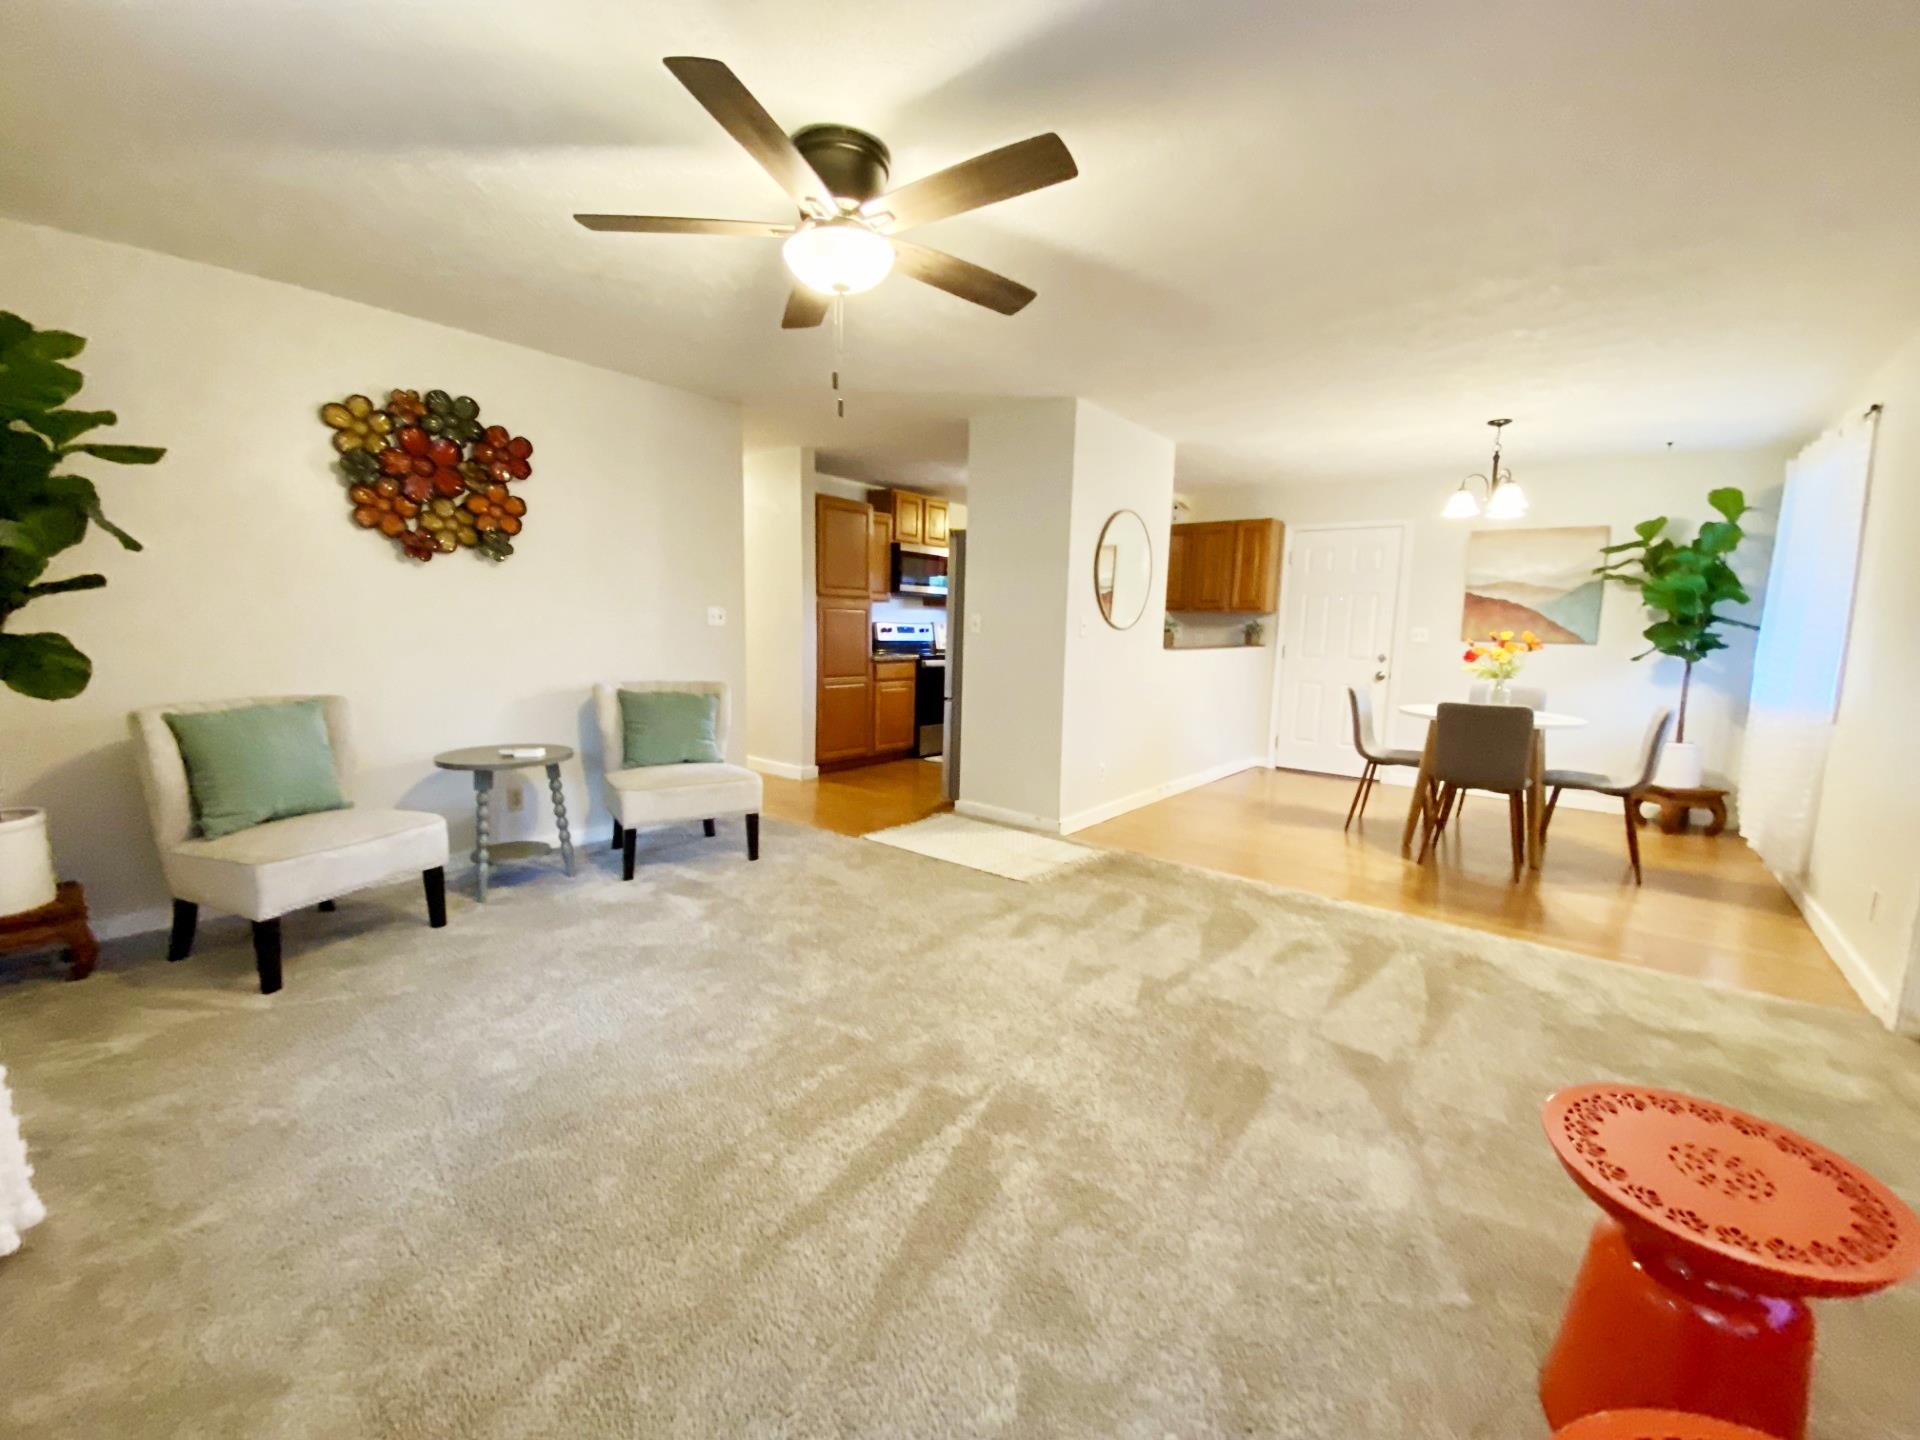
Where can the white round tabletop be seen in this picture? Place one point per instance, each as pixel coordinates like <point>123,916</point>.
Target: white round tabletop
<point>1542,719</point>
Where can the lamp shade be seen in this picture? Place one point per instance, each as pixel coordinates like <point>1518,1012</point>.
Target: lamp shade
<point>1463,504</point>
<point>1508,501</point>
<point>838,257</point>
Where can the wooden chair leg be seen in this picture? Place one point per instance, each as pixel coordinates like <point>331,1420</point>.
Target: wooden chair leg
<point>1517,825</point>
<point>1633,839</point>
<point>266,954</point>
<point>435,881</point>
<point>629,842</point>
<point>616,836</point>
<point>186,915</point>
<point>753,836</point>
<point>326,907</point>
<point>1359,794</point>
<point>1546,817</point>
<point>707,825</point>
<point>1439,806</point>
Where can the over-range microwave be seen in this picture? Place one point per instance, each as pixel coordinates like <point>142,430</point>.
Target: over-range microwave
<point>920,570</point>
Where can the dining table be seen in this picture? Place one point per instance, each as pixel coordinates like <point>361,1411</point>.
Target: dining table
<point>1543,721</point>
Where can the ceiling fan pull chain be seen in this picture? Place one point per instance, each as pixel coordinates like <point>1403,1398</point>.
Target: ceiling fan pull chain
<point>839,308</point>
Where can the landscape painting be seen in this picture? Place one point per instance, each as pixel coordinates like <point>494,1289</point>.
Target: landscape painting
<point>1538,580</point>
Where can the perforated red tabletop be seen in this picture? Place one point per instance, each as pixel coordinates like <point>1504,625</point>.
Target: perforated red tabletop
<point>1734,1195</point>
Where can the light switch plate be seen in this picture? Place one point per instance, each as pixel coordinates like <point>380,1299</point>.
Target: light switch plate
<point>716,614</point>
<point>1419,634</point>
<point>973,623</point>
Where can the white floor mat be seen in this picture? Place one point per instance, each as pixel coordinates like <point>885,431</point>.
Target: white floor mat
<point>978,845</point>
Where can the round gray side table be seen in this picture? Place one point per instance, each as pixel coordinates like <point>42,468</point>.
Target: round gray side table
<point>484,761</point>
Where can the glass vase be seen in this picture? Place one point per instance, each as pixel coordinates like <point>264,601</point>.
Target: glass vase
<point>1500,694</point>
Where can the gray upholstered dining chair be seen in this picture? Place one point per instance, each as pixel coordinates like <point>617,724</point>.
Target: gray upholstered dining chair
<point>1360,703</point>
<point>1625,788</point>
<point>1481,747</point>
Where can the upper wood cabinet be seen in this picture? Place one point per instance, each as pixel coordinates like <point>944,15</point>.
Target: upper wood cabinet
<point>880,556</point>
<point>933,522</point>
<point>909,517</point>
<point>841,536</point>
<point>1230,566</point>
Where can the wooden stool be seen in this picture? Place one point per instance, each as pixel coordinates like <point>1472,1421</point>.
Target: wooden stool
<point>63,924</point>
<point>1692,1295</point>
<point>1654,1425</point>
<point>1677,807</point>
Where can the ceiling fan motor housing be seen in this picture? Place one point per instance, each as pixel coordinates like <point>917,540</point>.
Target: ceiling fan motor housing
<point>853,163</point>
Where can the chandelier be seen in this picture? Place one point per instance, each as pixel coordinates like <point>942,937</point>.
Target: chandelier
<point>1505,500</point>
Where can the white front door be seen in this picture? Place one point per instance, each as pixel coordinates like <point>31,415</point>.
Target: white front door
<point>1336,630</point>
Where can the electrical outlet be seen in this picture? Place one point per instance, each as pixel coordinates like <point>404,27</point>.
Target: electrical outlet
<point>716,614</point>
<point>1419,634</point>
<point>516,798</point>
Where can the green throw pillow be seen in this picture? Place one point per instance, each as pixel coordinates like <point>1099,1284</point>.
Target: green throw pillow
<point>257,763</point>
<point>669,727</point>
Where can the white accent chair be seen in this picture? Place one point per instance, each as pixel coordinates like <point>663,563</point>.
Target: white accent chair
<point>644,795</point>
<point>265,871</point>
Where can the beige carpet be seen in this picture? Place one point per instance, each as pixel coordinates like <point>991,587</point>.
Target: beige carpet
<point>856,1143</point>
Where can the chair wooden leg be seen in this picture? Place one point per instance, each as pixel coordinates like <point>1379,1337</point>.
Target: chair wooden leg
<point>1517,824</point>
<point>1439,806</point>
<point>326,907</point>
<point>266,954</point>
<point>186,915</point>
<point>707,826</point>
<point>753,836</point>
<point>435,881</point>
<point>1546,819</point>
<point>616,836</point>
<point>1359,794</point>
<point>1633,839</point>
<point>629,841</point>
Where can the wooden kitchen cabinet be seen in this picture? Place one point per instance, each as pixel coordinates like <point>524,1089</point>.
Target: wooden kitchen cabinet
<point>841,541</point>
<point>1256,566</point>
<point>909,517</point>
<point>1224,566</point>
<point>894,726</point>
<point>880,555</point>
<point>933,521</point>
<point>843,711</point>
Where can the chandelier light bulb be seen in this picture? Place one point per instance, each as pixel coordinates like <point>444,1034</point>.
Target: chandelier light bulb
<point>837,257</point>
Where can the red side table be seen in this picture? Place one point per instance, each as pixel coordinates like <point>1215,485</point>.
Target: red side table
<point>1719,1228</point>
<point>1654,1425</point>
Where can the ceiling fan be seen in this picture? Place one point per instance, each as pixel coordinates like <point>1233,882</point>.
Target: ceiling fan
<point>844,240</point>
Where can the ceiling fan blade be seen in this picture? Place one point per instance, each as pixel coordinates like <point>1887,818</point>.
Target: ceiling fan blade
<point>961,277</point>
<point>746,120</point>
<point>805,309</point>
<point>984,180</point>
<point>679,225</point>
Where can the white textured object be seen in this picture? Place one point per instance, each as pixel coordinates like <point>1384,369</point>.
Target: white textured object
<point>978,845</point>
<point>20,1208</point>
<point>1679,767</point>
<point>26,861</point>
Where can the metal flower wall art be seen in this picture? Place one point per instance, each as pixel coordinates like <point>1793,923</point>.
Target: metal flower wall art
<point>428,475</point>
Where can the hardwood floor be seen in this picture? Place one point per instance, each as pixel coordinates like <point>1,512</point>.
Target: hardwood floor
<point>1708,909</point>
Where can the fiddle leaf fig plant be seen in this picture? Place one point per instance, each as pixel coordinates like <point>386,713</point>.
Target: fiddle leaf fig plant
<point>44,507</point>
<point>1684,584</point>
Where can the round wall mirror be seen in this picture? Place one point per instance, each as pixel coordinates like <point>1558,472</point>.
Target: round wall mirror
<point>1123,569</point>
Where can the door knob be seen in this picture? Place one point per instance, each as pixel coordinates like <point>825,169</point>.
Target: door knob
<point>1379,674</point>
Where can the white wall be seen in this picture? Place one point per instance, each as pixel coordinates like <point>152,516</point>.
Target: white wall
<point>1601,681</point>
<point>1868,827</point>
<point>1068,721</point>
<point>1019,506</point>
<point>779,617</point>
<point>254,581</point>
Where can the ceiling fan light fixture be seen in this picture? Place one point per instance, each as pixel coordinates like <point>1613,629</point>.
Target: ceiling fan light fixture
<point>837,257</point>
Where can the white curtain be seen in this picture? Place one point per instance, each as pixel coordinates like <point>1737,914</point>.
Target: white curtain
<point>1801,653</point>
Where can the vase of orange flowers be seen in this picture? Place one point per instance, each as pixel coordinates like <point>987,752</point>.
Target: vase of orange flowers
<point>1498,659</point>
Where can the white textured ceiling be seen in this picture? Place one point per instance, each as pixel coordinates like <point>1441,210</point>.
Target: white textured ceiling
<point>1323,238</point>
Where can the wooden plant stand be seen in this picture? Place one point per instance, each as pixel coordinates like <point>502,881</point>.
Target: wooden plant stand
<point>1676,807</point>
<point>62,924</point>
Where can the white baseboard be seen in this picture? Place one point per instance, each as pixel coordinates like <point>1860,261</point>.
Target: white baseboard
<point>1020,819</point>
<point>1881,1002</point>
<point>782,768</point>
<point>1093,815</point>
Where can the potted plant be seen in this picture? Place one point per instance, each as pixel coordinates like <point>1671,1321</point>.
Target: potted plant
<point>1498,658</point>
<point>1253,632</point>
<point>44,509</point>
<point>1170,633</point>
<point>1683,584</point>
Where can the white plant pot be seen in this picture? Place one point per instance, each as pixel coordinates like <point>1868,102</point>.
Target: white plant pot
<point>26,861</point>
<point>1679,767</point>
